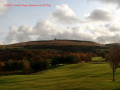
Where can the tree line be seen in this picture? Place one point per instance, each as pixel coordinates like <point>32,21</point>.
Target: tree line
<point>34,61</point>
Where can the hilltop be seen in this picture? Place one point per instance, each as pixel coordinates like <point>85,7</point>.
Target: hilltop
<point>64,45</point>
<point>58,42</point>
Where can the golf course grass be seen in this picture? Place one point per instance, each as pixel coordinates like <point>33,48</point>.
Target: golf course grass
<point>83,76</point>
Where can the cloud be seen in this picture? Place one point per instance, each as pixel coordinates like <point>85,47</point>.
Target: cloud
<point>109,39</point>
<point>100,28</point>
<point>26,29</point>
<point>116,2</point>
<point>20,34</point>
<point>2,7</point>
<point>1,30</point>
<point>46,30</point>
<point>42,30</point>
<point>65,15</point>
<point>114,27</point>
<point>100,15</point>
<point>46,26</point>
<point>105,33</point>
<point>1,42</point>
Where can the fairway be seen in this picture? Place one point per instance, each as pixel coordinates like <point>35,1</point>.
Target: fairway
<point>83,76</point>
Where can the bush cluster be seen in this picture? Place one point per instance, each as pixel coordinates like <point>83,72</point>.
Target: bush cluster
<point>64,59</point>
<point>33,61</point>
<point>24,66</point>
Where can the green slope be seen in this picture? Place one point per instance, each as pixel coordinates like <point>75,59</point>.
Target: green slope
<point>70,77</point>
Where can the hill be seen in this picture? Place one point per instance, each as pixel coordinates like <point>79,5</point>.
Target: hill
<point>58,42</point>
<point>112,44</point>
<point>64,45</point>
<point>83,76</point>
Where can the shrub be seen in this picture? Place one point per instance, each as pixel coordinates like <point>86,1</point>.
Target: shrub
<point>64,59</point>
<point>1,67</point>
<point>39,65</point>
<point>26,67</point>
<point>11,66</point>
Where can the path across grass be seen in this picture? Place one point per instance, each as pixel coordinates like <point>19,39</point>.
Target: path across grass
<point>84,76</point>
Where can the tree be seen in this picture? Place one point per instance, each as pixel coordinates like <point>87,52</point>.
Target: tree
<point>1,67</point>
<point>114,57</point>
<point>26,66</point>
<point>28,54</point>
<point>39,65</point>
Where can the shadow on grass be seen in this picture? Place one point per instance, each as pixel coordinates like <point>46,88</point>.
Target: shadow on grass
<point>35,72</point>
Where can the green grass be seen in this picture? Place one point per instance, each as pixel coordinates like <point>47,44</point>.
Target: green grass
<point>84,76</point>
<point>98,59</point>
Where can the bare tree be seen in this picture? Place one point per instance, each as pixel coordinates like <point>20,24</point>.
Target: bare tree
<point>113,56</point>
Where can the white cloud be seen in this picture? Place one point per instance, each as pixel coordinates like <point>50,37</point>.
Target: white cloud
<point>1,30</point>
<point>114,27</point>
<point>65,15</point>
<point>109,39</point>
<point>2,7</point>
<point>26,29</point>
<point>46,30</point>
<point>115,2</point>
<point>1,42</point>
<point>20,34</point>
<point>46,27</point>
<point>104,31</point>
<point>100,14</point>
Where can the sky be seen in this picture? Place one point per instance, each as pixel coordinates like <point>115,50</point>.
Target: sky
<point>91,20</point>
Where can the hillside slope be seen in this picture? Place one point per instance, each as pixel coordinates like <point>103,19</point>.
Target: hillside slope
<point>58,42</point>
<point>64,45</point>
<point>70,77</point>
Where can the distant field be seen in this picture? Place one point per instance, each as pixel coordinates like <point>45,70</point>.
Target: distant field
<point>70,77</point>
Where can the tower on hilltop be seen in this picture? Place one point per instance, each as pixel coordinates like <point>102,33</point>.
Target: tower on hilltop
<point>55,38</point>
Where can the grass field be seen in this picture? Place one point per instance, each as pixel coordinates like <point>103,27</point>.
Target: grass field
<point>84,76</point>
